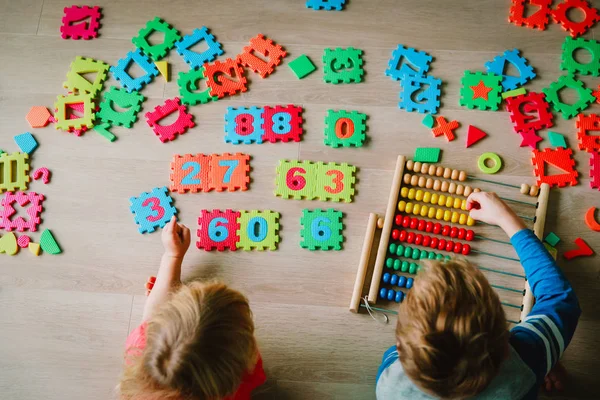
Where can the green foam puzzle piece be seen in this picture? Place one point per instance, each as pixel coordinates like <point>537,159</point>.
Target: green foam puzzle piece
<point>48,243</point>
<point>131,101</point>
<point>159,50</point>
<point>342,65</point>
<point>552,239</point>
<point>334,182</point>
<point>302,66</point>
<point>480,90</point>
<point>429,121</point>
<point>14,172</point>
<point>343,128</point>
<point>265,222</point>
<point>557,140</point>
<point>427,154</point>
<point>568,111</point>
<point>514,93</point>
<point>322,229</point>
<point>188,84</point>
<point>77,83</point>
<point>569,63</point>
<point>296,180</point>
<point>65,123</point>
<point>103,130</point>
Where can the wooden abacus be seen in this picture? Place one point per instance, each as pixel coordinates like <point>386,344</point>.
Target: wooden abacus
<point>421,191</point>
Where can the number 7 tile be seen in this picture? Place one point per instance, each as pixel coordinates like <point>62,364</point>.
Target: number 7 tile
<point>334,182</point>
<point>230,171</point>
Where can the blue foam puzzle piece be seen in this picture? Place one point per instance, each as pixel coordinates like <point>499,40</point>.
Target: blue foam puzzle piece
<point>509,82</point>
<point>152,209</point>
<point>196,60</point>
<point>128,82</point>
<point>256,136</point>
<point>327,5</point>
<point>26,143</point>
<point>407,61</point>
<point>414,97</point>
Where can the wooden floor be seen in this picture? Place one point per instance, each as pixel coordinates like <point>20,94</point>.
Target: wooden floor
<point>63,320</point>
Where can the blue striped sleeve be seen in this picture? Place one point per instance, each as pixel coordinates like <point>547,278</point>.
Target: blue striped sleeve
<point>389,357</point>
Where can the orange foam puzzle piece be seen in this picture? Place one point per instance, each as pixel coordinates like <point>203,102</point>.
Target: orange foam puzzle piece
<point>535,20</point>
<point>190,172</point>
<point>230,171</point>
<point>585,125</point>
<point>590,220</point>
<point>225,78</point>
<point>560,158</point>
<point>38,116</point>
<point>265,46</point>
<point>445,128</point>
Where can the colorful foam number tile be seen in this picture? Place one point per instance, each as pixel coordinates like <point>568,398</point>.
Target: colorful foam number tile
<point>343,65</point>
<point>190,173</point>
<point>80,70</point>
<point>296,179</point>
<point>244,125</point>
<point>129,102</point>
<point>533,14</point>
<point>230,171</point>
<point>345,128</point>
<point>199,36</point>
<point>225,78</point>
<point>302,66</point>
<point>559,158</point>
<point>218,230</point>
<point>152,209</point>
<point>48,243</point>
<point>322,229</point>
<point>258,230</point>
<point>156,51</point>
<point>30,201</point>
<point>569,110</point>
<point>586,124</point>
<point>557,139</point>
<point>407,61</point>
<point>271,53</point>
<point>420,93</point>
<point>511,57</point>
<point>335,182</point>
<point>26,142</point>
<point>128,82</point>
<point>583,249</point>
<point>189,89</point>
<point>170,132</point>
<point>14,172</point>
<point>282,124</point>
<point>483,161</point>
<point>427,154</point>
<point>327,5</point>
<point>481,91</point>
<point>38,116</point>
<point>570,63</point>
<point>80,22</point>
<point>561,15</point>
<point>529,112</point>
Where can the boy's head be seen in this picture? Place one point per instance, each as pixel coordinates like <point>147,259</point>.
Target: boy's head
<point>452,333</point>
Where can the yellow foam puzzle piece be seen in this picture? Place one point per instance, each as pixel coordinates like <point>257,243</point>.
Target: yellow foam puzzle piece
<point>34,248</point>
<point>163,68</point>
<point>8,244</point>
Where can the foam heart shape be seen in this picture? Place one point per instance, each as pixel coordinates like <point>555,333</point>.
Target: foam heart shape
<point>8,244</point>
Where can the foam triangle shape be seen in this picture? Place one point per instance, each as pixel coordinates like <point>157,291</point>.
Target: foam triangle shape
<point>163,68</point>
<point>474,135</point>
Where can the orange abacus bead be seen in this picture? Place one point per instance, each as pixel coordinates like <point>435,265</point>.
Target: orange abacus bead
<point>414,180</point>
<point>468,191</point>
<point>421,182</point>
<point>460,189</point>
<point>407,179</point>
<point>437,184</point>
<point>452,188</point>
<point>534,191</point>
<point>409,165</point>
<point>462,176</point>
<point>431,171</point>
<point>524,188</point>
<point>417,166</point>
<point>439,171</point>
<point>444,186</point>
<point>424,168</point>
<point>429,183</point>
<point>447,173</point>
<point>454,175</point>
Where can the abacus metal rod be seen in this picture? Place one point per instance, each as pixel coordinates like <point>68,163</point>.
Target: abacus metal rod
<point>489,181</point>
<point>519,201</point>
<point>507,288</point>
<point>501,272</point>
<point>495,255</point>
<point>491,240</point>
<point>510,305</point>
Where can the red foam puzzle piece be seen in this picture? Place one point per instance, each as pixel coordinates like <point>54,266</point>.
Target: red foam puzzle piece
<point>445,128</point>
<point>295,124</point>
<point>536,20</point>
<point>583,249</point>
<point>225,78</point>
<point>560,15</point>
<point>210,233</point>
<point>559,158</point>
<point>530,138</point>
<point>522,107</point>
<point>585,125</point>
<point>595,170</point>
<point>474,135</point>
<point>43,173</point>
<point>75,28</point>
<point>265,46</point>
<point>169,132</point>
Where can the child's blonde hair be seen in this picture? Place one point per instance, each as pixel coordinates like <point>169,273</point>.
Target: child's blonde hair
<point>199,345</point>
<point>452,332</point>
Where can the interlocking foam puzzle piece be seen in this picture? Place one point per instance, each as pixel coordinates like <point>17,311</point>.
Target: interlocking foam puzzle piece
<point>327,5</point>
<point>474,135</point>
<point>74,26</point>
<point>322,229</point>
<point>480,90</point>
<point>569,63</point>
<point>559,158</point>
<point>513,93</point>
<point>22,199</point>
<point>159,50</point>
<point>244,125</point>
<point>553,252</point>
<point>407,61</point>
<point>296,179</point>
<point>509,82</point>
<point>530,138</point>
<point>190,172</point>
<point>188,85</point>
<point>230,171</point>
<point>413,97</point>
<point>34,248</point>
<point>302,66</point>
<point>8,244</point>
<point>552,239</point>
<point>282,124</point>
<point>62,106</point>
<point>343,128</point>
<point>274,53</point>
<point>131,101</point>
<point>585,125</point>
<point>230,78</point>
<point>536,20</point>
<point>43,173</point>
<point>560,15</point>
<point>334,182</point>
<point>103,130</point>
<point>427,154</point>
<point>76,82</point>
<point>38,116</point>
<point>590,219</point>
<point>595,170</point>
<point>583,249</point>
<point>557,139</point>
<point>151,209</point>
<point>259,230</point>
<point>128,82</point>
<point>428,121</point>
<point>26,142</point>
<point>521,107</point>
<point>218,230</point>
<point>48,243</point>
<point>445,128</point>
<point>169,132</point>
<point>196,60</point>
<point>343,65</point>
<point>481,163</point>
<point>23,241</point>
<point>14,171</point>
<point>596,94</point>
<point>163,68</point>
<point>568,111</point>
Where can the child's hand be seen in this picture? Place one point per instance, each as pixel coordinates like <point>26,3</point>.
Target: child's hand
<point>489,208</point>
<point>175,239</point>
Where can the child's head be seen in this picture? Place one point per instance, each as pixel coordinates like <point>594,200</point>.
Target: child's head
<point>199,344</point>
<point>452,333</point>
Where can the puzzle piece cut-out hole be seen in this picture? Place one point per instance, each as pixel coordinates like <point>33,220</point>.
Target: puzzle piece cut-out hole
<point>134,70</point>
<point>155,38</point>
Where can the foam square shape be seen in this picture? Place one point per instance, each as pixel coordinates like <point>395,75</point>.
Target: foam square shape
<point>420,93</point>
<point>569,63</point>
<point>327,5</point>
<point>335,182</point>
<point>568,111</point>
<point>159,50</point>
<point>343,65</point>
<point>534,20</point>
<point>498,65</point>
<point>407,61</point>
<point>26,142</point>
<point>152,209</point>
<point>322,229</point>
<point>34,210</point>
<point>273,53</point>
<point>170,132</point>
<point>194,59</point>
<point>230,171</point>
<point>76,82</point>
<point>259,230</point>
<point>557,140</point>
<point>14,171</point>
<point>64,103</point>
<point>427,154</point>
<point>480,91</point>
<point>128,82</point>
<point>302,66</point>
<point>188,88</point>
<point>131,101</point>
<point>559,158</point>
<point>576,28</point>
<point>80,22</point>
<point>218,230</point>
<point>190,172</point>
<point>585,125</point>
<point>345,128</point>
<point>225,78</point>
<point>244,125</point>
<point>282,123</point>
<point>295,180</point>
<point>521,109</point>
<point>552,239</point>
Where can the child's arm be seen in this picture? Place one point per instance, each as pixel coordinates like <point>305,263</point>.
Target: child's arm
<point>543,336</point>
<point>176,240</point>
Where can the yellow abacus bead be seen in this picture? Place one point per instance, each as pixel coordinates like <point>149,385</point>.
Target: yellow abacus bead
<point>439,213</point>
<point>419,195</point>
<point>455,217</point>
<point>411,193</point>
<point>476,190</point>
<point>424,168</point>
<point>409,165</point>
<point>409,208</point>
<point>463,205</point>
<point>437,184</point>
<point>413,180</point>
<point>416,209</point>
<point>439,171</point>
<point>462,176</point>
<point>431,170</point>
<point>404,192</point>
<point>431,212</point>
<point>417,166</point>
<point>429,183</point>
<point>463,219</point>
<point>524,188</point>
<point>470,221</point>
<point>457,203</point>
<point>444,187</point>
<point>402,206</point>
<point>406,179</point>
<point>427,197</point>
<point>452,188</point>
<point>449,202</point>
<point>424,211</point>
<point>447,173</point>
<point>421,181</point>
<point>454,175</point>
<point>447,215</point>
<point>468,191</point>
<point>434,198</point>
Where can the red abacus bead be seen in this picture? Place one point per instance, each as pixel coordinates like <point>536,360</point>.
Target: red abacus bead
<point>454,232</point>
<point>395,234</point>
<point>411,237</point>
<point>402,236</point>
<point>469,235</point>
<point>428,226</point>
<point>446,230</point>
<point>421,225</point>
<point>426,240</point>
<point>418,239</point>
<point>457,248</point>
<point>466,249</point>
<point>441,244</point>
<point>406,221</point>
<point>434,242</point>
<point>461,233</point>
<point>449,245</point>
<point>437,227</point>
<point>398,219</point>
<point>413,223</point>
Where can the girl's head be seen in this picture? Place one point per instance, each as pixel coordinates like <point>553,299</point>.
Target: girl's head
<point>199,345</point>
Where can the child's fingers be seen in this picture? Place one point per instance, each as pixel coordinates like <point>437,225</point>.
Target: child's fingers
<point>185,234</point>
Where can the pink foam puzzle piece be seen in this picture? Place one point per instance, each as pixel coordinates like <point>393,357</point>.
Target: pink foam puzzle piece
<point>22,199</point>
<point>80,22</point>
<point>43,173</point>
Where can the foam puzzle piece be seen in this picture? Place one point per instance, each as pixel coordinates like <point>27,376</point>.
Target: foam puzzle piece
<point>23,241</point>
<point>427,154</point>
<point>38,116</point>
<point>596,94</point>
<point>230,171</point>
<point>163,68</point>
<point>568,111</point>
<point>553,252</point>
<point>259,230</point>
<point>296,180</point>
<point>282,123</point>
<point>576,28</point>
<point>62,106</point>
<point>529,138</point>
<point>194,59</point>
<point>244,125</point>
<point>595,170</point>
<point>445,128</point>
<point>585,125</point>
<point>34,248</point>
<point>152,209</point>
<point>322,229</point>
<point>74,26</point>
<point>131,101</point>
<point>190,172</point>
<point>169,132</point>
<point>407,61</point>
<point>480,91</point>
<point>559,158</point>
<point>26,142</point>
<point>513,93</point>
<point>343,128</point>
<point>302,66</point>
<point>35,202</point>
<point>334,182</point>
<point>103,130</point>
<point>583,249</point>
<point>8,244</point>
<point>521,109</point>
<point>128,82</point>
<point>218,230</point>
<point>535,20</point>
<point>327,5</point>
<point>590,219</point>
<point>273,53</point>
<point>42,173</point>
<point>495,158</point>
<point>509,82</point>
<point>343,65</point>
<point>225,78</point>
<point>552,239</point>
<point>569,63</point>
<point>77,83</point>
<point>428,121</point>
<point>474,135</point>
<point>159,50</point>
<point>14,172</point>
<point>420,93</point>
<point>557,139</point>
<point>48,243</point>
<point>188,86</point>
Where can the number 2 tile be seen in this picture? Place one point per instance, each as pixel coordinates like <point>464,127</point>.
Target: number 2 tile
<point>190,172</point>
<point>152,209</point>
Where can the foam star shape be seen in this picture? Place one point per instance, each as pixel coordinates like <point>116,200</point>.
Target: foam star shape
<point>530,138</point>
<point>480,91</point>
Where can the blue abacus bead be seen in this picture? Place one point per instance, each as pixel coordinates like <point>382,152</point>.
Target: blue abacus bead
<point>393,248</point>
<point>396,265</point>
<point>413,268</point>
<point>409,283</point>
<point>382,293</point>
<point>389,262</point>
<point>399,296</point>
<point>402,281</point>
<point>399,250</point>
<point>404,266</point>
<point>408,251</point>
<point>390,294</point>
<point>394,279</point>
<point>386,277</point>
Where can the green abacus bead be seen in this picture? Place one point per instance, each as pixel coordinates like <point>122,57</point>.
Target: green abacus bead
<point>399,250</point>
<point>423,255</point>
<point>413,268</point>
<point>439,257</point>
<point>431,255</point>
<point>407,252</point>
<point>404,266</point>
<point>393,248</point>
<point>415,254</point>
<point>396,264</point>
<point>447,258</point>
<point>389,262</point>
<point>419,268</point>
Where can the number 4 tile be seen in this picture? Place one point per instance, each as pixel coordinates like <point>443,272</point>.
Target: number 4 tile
<point>322,229</point>
<point>152,209</point>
